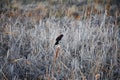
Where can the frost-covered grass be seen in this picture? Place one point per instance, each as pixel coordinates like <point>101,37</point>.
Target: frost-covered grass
<point>89,49</point>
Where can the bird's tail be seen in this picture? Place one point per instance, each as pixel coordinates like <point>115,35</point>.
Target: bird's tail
<point>56,43</point>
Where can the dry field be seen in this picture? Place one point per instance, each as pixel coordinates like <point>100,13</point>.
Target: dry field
<point>89,49</point>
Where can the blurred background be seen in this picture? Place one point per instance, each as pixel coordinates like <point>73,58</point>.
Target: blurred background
<point>89,49</point>
<point>11,3</point>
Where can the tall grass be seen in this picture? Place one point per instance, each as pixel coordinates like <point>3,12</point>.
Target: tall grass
<point>89,49</point>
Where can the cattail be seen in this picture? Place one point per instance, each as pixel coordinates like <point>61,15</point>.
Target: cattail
<point>56,53</point>
<point>76,15</point>
<point>97,76</point>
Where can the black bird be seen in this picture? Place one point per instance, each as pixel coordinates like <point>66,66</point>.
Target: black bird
<point>58,39</point>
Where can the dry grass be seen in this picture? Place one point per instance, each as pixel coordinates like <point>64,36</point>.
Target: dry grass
<point>89,49</point>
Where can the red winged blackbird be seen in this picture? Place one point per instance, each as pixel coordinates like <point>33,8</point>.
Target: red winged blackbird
<point>58,39</point>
